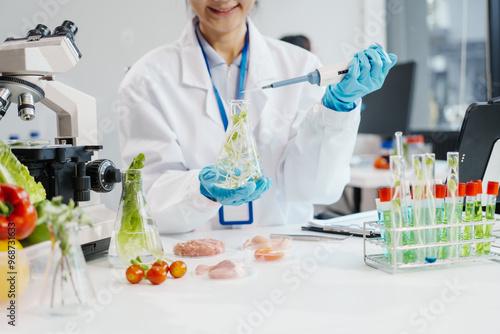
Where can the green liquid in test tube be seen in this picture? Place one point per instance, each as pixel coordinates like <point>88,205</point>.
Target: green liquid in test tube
<point>455,207</point>
<point>442,235</point>
<point>478,216</point>
<point>491,199</point>
<point>470,202</point>
<point>385,209</point>
<point>412,255</point>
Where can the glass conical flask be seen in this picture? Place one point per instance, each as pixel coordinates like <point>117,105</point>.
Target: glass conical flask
<point>67,288</point>
<point>238,158</point>
<point>135,233</point>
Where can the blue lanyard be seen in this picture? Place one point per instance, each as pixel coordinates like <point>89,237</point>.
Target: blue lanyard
<point>243,67</point>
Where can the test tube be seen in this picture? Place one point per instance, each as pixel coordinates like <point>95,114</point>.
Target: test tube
<point>460,202</point>
<point>478,216</point>
<point>384,209</point>
<point>470,202</point>
<point>398,205</point>
<point>452,213</point>
<point>424,210</point>
<point>491,201</point>
<point>430,203</point>
<point>442,233</point>
<point>411,223</point>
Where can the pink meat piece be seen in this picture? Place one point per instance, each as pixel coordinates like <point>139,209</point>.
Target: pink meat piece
<point>202,269</point>
<point>257,241</point>
<point>226,269</point>
<point>199,247</point>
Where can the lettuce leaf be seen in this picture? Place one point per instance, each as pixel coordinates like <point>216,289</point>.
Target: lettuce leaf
<point>138,162</point>
<point>13,172</point>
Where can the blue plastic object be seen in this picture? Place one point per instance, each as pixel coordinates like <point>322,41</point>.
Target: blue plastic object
<point>367,72</point>
<point>250,191</point>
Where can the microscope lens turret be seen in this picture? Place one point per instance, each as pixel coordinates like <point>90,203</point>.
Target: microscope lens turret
<point>26,107</point>
<point>40,30</point>
<point>4,101</point>
<point>66,28</point>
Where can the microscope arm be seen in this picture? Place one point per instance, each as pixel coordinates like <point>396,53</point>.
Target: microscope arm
<point>76,113</point>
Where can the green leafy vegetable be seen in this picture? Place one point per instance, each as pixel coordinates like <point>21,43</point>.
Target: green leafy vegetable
<point>138,162</point>
<point>13,172</point>
<point>132,237</point>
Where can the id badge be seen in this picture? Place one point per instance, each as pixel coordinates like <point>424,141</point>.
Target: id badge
<point>236,215</point>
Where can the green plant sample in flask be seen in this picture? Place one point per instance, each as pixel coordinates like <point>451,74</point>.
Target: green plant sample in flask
<point>238,160</point>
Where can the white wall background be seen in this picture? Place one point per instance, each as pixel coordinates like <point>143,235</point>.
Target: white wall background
<point>113,34</point>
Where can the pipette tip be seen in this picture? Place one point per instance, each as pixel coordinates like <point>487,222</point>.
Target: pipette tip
<point>268,86</point>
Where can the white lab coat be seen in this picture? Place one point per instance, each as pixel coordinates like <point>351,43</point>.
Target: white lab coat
<point>168,111</point>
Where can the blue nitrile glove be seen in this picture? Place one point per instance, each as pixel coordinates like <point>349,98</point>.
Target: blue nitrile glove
<point>250,191</point>
<point>367,72</point>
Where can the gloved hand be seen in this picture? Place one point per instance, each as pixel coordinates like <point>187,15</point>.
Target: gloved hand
<point>367,72</point>
<point>250,191</point>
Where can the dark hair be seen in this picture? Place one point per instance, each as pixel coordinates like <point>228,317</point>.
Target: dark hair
<point>299,40</point>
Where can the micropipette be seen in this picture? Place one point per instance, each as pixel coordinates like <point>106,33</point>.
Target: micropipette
<point>322,76</point>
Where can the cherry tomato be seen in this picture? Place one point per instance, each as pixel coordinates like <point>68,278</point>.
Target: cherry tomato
<point>268,254</point>
<point>134,274</point>
<point>156,275</point>
<point>178,269</point>
<point>381,163</point>
<point>163,264</point>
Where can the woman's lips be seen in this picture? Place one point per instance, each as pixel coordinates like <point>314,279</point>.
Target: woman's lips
<point>223,11</point>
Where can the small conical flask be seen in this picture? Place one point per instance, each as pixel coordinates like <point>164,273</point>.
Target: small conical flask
<point>67,289</point>
<point>135,233</point>
<point>238,159</point>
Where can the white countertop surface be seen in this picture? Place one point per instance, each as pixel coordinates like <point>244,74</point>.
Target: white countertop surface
<point>325,288</point>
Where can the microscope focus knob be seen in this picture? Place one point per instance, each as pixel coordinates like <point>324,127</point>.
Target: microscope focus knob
<point>103,175</point>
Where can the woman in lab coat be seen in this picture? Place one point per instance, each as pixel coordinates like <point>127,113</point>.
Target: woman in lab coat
<point>169,111</point>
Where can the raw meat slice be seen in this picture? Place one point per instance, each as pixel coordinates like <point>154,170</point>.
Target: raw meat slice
<point>199,247</point>
<point>226,269</point>
<point>202,269</point>
<point>258,240</point>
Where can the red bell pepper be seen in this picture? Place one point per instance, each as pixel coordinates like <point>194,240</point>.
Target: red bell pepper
<point>17,215</point>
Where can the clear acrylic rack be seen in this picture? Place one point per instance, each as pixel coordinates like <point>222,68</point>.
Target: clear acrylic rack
<point>382,262</point>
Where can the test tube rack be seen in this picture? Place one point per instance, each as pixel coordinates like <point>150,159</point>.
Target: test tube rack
<point>381,261</point>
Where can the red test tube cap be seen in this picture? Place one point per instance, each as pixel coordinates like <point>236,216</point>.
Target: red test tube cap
<point>492,188</point>
<point>461,189</point>
<point>384,194</point>
<point>479,186</point>
<point>440,191</point>
<point>471,189</point>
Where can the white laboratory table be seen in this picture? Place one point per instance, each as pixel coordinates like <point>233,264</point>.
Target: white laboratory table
<point>326,288</point>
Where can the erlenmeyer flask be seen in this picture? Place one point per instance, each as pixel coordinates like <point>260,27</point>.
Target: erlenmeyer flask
<point>238,158</point>
<point>135,233</point>
<point>67,288</point>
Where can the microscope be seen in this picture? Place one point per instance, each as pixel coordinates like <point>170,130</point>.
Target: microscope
<point>66,168</point>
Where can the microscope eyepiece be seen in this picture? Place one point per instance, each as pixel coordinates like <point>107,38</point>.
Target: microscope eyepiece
<point>67,27</point>
<point>26,107</point>
<point>40,30</point>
